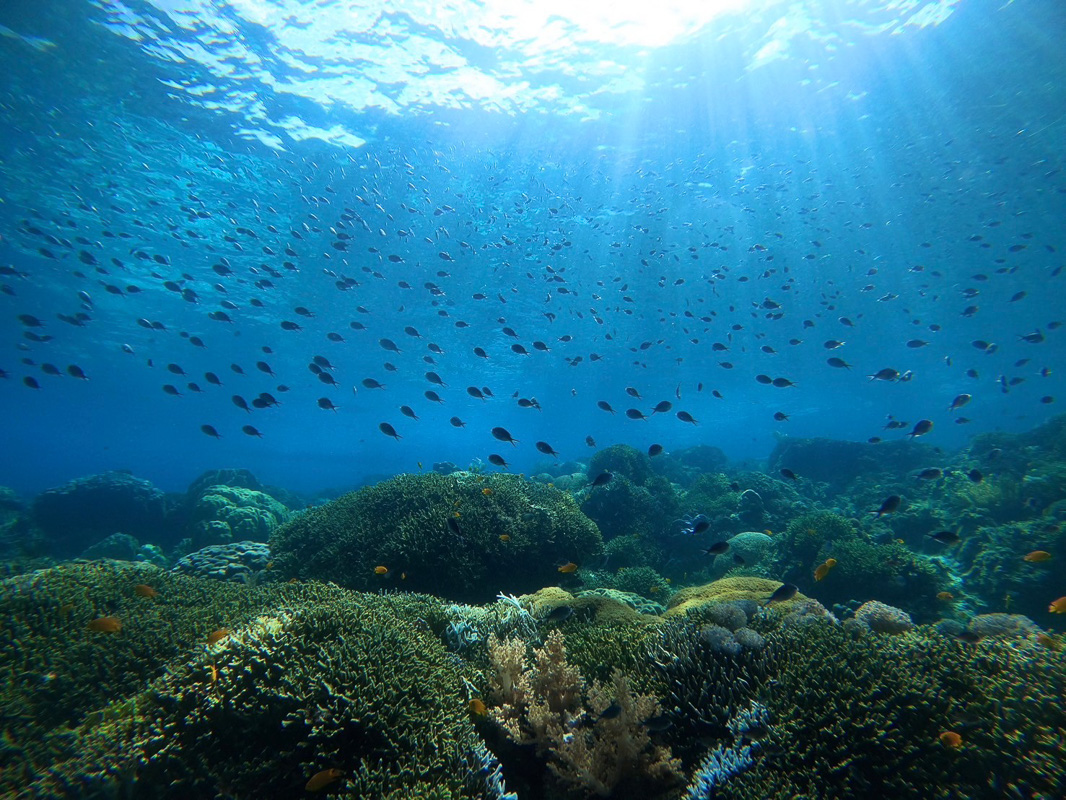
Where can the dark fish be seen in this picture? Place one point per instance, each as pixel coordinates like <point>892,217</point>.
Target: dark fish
<point>75,371</point>
<point>457,423</point>
<point>634,413</point>
<point>371,383</point>
<point>780,416</point>
<point>890,505</point>
<point>453,526</point>
<point>944,537</point>
<point>786,591</point>
<point>662,408</point>
<point>789,474</point>
<point>921,427</point>
<point>502,435</point>
<point>975,475</point>
<point>886,374</point>
<point>716,549</point>
<point>546,448</point>
<point>612,711</point>
<point>497,460</point>
<point>684,416</point>
<point>240,402</point>
<point>602,479</point>
<point>605,406</point>
<point>654,450</point>
<point>210,431</point>
<point>590,441</point>
<point>473,391</point>
<point>433,396</point>
<point>388,344</point>
<point>559,614</point>
<point>251,431</point>
<point>932,473</point>
<point>326,404</point>
<point>764,379</point>
<point>839,363</point>
<point>658,724</point>
<point>388,430</point>
<point>407,411</point>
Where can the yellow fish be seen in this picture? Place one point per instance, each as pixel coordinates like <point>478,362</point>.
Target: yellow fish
<point>380,570</point>
<point>1037,556</point>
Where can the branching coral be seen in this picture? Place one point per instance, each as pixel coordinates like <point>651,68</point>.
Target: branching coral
<point>593,737</point>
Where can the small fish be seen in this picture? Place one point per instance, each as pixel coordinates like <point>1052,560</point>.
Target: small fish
<point>612,711</point>
<point>381,570</point>
<point>944,537</point>
<point>602,479</point>
<point>930,474</point>
<point>502,435</point>
<point>789,474</point>
<point>821,572</point>
<point>968,637</point>
<point>590,442</point>
<point>716,549</point>
<point>477,707</point>
<point>105,625</point>
<point>559,614</point>
<point>388,430</point>
<point>975,475</point>
<point>921,427</point>
<point>487,492</point>
<point>547,449</point>
<point>786,591</point>
<point>323,779</point>
<point>217,636</point>
<point>658,724</point>
<point>505,537</point>
<point>945,597</point>
<point>1037,556</point>
<point>950,739</point>
<point>497,460</point>
<point>889,506</point>
<point>570,567</point>
<point>210,431</point>
<point>1058,606</point>
<point>654,450</point>
<point>144,590</point>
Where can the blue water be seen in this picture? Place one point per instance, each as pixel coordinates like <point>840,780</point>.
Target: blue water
<point>647,189</point>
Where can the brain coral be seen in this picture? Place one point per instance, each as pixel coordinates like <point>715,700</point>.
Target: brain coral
<point>227,514</point>
<point>440,534</point>
<point>882,618</point>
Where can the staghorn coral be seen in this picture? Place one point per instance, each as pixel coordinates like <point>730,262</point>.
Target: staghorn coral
<point>442,533</point>
<point>861,718</point>
<point>549,705</point>
<point>310,677</point>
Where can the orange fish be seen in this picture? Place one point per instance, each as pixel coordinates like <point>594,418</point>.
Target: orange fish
<point>570,566</point>
<point>946,597</point>
<point>830,562</point>
<point>320,780</point>
<point>379,570</point>
<point>144,590</point>
<point>105,625</point>
<point>1037,556</point>
<point>821,572</point>
<point>217,636</point>
<point>1058,606</point>
<point>504,537</point>
<point>950,739</point>
<point>477,707</point>
<point>486,491</point>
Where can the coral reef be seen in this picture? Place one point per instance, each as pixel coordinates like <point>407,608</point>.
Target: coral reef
<point>622,461</point>
<point>239,562</point>
<point>83,511</point>
<point>881,618</point>
<point>624,508</point>
<point>463,536</point>
<point>593,736</point>
<point>223,514</point>
<point>863,718</point>
<point>299,685</point>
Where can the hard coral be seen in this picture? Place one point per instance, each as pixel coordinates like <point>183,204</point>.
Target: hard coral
<point>440,534</point>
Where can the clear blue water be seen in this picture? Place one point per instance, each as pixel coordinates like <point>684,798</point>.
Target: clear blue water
<point>643,189</point>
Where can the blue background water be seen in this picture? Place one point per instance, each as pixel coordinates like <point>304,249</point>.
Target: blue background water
<point>842,137</point>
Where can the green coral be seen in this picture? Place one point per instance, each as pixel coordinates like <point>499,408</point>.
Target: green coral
<point>862,718</point>
<point>224,514</point>
<point>622,508</point>
<point>802,543</point>
<point>622,461</point>
<point>312,677</point>
<point>461,536</point>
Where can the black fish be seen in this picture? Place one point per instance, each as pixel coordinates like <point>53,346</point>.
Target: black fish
<point>386,429</point>
<point>602,479</point>
<point>944,537</point>
<point>789,474</point>
<point>786,591</point>
<point>890,505</point>
<point>504,436</point>
<point>547,449</point>
<point>210,431</point>
<point>497,460</point>
<point>654,450</point>
<point>716,549</point>
<point>559,614</point>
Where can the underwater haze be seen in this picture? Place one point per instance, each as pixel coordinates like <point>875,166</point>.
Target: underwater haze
<point>532,399</point>
<point>551,203</point>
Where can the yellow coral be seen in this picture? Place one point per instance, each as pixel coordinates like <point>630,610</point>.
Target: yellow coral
<point>740,588</point>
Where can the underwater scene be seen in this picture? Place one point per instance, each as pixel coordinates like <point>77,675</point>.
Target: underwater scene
<point>533,400</point>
